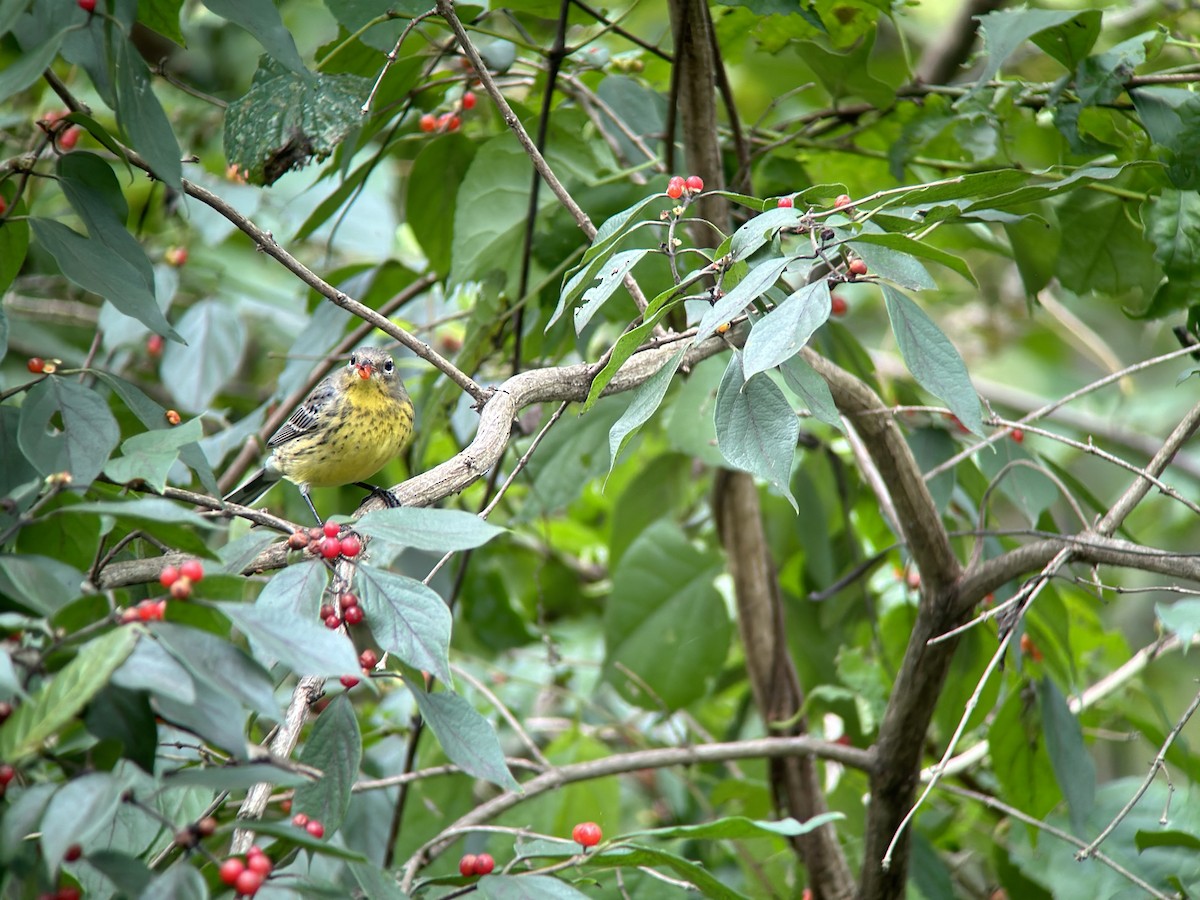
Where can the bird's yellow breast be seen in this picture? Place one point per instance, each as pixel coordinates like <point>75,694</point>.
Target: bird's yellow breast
<point>359,434</point>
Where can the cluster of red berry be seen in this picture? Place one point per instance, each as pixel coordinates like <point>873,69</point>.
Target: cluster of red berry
<point>65,135</point>
<point>312,826</point>
<point>326,542</point>
<point>247,875</point>
<point>476,864</point>
<point>368,659</point>
<point>450,120</point>
<point>178,581</point>
<point>678,186</point>
<point>7,774</point>
<point>39,366</point>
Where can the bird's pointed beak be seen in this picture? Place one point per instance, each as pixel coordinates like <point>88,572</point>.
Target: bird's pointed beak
<point>364,370</point>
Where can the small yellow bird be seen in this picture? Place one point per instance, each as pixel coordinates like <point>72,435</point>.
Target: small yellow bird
<point>347,429</point>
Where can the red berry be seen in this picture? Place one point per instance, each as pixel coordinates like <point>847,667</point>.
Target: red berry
<point>148,611</point>
<point>351,545</point>
<point>428,122</point>
<point>466,865</point>
<point>448,122</point>
<point>176,256</point>
<point>154,345</point>
<point>857,267</point>
<point>72,853</point>
<point>70,892</point>
<point>468,100</point>
<point>168,576</point>
<point>86,5</point>
<point>260,863</point>
<point>300,820</point>
<point>837,305</point>
<point>36,365</point>
<point>785,202</point>
<point>298,540</point>
<point>694,184</point>
<point>1018,435</point>
<point>332,621</point>
<point>347,600</point>
<point>675,187</point>
<point>483,864</point>
<point>348,681</point>
<point>1030,649</point>
<point>368,659</point>
<point>331,548</point>
<point>845,741</point>
<point>230,870</point>
<point>332,529</point>
<point>192,569</point>
<point>254,851</point>
<point>3,205</point>
<point>354,615</point>
<point>842,201</point>
<point>586,834</point>
<point>315,828</point>
<point>69,138</point>
<point>326,611</point>
<point>182,589</point>
<point>248,883</point>
<point>7,772</point>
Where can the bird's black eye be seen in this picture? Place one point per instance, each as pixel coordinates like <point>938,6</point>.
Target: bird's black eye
<point>353,361</point>
<point>388,366</point>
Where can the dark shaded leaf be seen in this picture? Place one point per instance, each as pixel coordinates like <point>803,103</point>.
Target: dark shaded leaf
<point>466,736</point>
<point>409,619</point>
<point>334,747</point>
<point>1073,766</point>
<point>757,429</point>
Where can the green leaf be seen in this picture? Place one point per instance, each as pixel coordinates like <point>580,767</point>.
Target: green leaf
<point>932,359</point>
<point>630,857</point>
<point>781,333</point>
<point>1101,249</point>
<point>14,245</point>
<point>305,646</point>
<point>428,529</point>
<point>526,887</point>
<point>39,583</point>
<point>666,629</point>
<point>497,181</point>
<point>640,108</point>
<point>178,882</point>
<point>812,389</point>
<point>1181,618</point>
<point>1144,840</point>
<point>234,776</point>
<point>57,702</point>
<point>734,828</point>
<point>149,456</point>
<point>286,831</point>
<point>1171,116</point>
<point>1019,758</point>
<point>431,195</point>
<point>93,266</point>
<point>141,116</point>
<point>408,618</point>
<point>1073,767</point>
<point>624,348</point>
<point>756,427</point>
<point>79,810</point>
<point>296,590</point>
<point>847,74</point>
<point>196,371</point>
<point>22,818</point>
<point>1064,35</point>
<point>261,18</point>
<point>334,747</point>
<point>87,435</point>
<point>376,883</point>
<point>612,276</point>
<point>30,64</point>
<point>146,509</point>
<point>129,874</point>
<point>762,228</point>
<point>92,188</point>
<point>162,16</point>
<point>214,661</point>
<point>287,119</point>
<point>646,398</point>
<point>756,283</point>
<point>468,739</point>
<point>1101,78</point>
<point>903,244</point>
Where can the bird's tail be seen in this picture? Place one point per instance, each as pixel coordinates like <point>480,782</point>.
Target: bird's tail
<point>258,485</point>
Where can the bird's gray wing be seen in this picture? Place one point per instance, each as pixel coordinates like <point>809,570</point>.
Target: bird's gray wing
<point>305,416</point>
